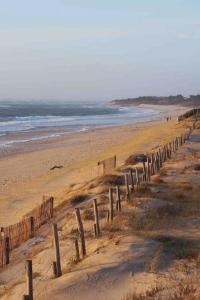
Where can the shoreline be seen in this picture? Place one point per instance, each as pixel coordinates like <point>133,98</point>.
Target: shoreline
<point>44,137</point>
<point>27,176</point>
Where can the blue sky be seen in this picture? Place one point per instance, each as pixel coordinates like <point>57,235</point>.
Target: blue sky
<point>97,49</point>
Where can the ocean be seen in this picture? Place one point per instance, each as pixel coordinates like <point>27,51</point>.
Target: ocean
<point>25,122</point>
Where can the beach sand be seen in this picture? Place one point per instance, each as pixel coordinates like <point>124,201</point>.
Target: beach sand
<point>25,171</point>
<point>124,258</point>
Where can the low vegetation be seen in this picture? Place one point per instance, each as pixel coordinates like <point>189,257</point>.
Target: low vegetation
<point>193,100</point>
<point>78,198</point>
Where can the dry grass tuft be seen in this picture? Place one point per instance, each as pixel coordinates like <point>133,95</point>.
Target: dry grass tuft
<point>143,191</point>
<point>155,218</point>
<point>183,292</point>
<point>148,295</point>
<point>103,199</point>
<point>136,158</point>
<point>88,214</point>
<point>111,180</point>
<point>179,247</point>
<point>77,199</point>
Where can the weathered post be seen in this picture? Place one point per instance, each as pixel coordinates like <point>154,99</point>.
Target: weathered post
<point>29,279</point>
<point>155,164</point>
<point>152,164</point>
<point>118,196</point>
<point>173,146</point>
<point>176,144</point>
<point>51,207</point>
<point>167,148</point>
<point>32,229</point>
<point>165,152</point>
<point>158,161</point>
<point>54,268</point>
<point>111,213</point>
<point>144,171</point>
<point>81,231</point>
<point>170,148</point>
<point>181,141</point>
<point>96,216</point>
<point>77,250</point>
<point>137,178</point>
<point>7,250</point>
<point>57,249</point>
<point>160,157</point>
<point>108,216</point>
<point>132,181</point>
<point>95,230</point>
<point>148,169</point>
<point>127,188</point>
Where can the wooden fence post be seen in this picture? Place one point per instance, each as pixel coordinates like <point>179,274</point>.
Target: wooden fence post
<point>96,216</point>
<point>77,250</point>
<point>166,152</point>
<point>29,280</point>
<point>152,164</point>
<point>118,198</point>
<point>148,169</point>
<point>95,230</point>
<point>51,209</point>
<point>108,216</point>
<point>163,154</point>
<point>176,143</point>
<point>173,146</point>
<point>7,250</point>
<point>32,229</point>
<point>137,178</point>
<point>132,181</point>
<point>160,157</point>
<point>81,231</point>
<point>54,267</point>
<point>157,162</point>
<point>111,204</point>
<point>127,188</point>
<point>144,171</point>
<point>57,250</point>
<point>170,147</point>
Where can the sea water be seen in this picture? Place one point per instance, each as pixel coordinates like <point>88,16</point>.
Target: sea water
<point>32,121</point>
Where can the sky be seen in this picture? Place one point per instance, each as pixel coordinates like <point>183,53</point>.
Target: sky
<point>98,49</point>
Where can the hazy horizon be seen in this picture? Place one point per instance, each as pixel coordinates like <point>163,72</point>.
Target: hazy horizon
<point>98,50</point>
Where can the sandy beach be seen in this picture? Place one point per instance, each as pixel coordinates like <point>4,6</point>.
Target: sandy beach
<point>154,235</point>
<point>25,171</point>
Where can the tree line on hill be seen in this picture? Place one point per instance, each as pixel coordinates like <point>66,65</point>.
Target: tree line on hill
<point>192,100</point>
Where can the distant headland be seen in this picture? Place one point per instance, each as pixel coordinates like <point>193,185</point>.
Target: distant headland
<point>192,100</point>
